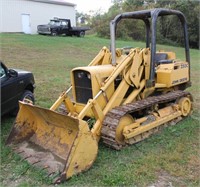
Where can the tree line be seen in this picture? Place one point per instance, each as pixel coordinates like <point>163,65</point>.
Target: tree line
<point>169,28</point>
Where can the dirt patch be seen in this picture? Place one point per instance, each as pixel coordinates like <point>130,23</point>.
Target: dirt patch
<point>166,180</point>
<point>14,183</point>
<point>194,166</point>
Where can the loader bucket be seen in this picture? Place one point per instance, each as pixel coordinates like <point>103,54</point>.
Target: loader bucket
<point>62,145</point>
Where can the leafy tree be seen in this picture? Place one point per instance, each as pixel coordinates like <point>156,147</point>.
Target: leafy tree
<point>168,27</point>
<point>83,19</point>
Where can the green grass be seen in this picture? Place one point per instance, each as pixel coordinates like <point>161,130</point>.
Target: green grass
<point>171,156</point>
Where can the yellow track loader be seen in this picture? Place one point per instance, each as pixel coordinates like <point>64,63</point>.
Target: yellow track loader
<point>122,97</point>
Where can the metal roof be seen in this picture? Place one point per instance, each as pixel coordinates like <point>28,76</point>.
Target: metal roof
<point>57,2</point>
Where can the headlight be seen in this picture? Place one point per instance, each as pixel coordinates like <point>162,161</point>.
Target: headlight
<point>88,76</point>
<point>80,75</point>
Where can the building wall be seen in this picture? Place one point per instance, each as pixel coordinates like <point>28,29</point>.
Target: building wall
<point>39,13</point>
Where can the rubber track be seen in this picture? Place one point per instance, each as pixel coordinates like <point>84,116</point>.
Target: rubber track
<point>113,117</point>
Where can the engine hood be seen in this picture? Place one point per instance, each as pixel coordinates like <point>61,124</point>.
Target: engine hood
<point>21,72</point>
<point>47,26</point>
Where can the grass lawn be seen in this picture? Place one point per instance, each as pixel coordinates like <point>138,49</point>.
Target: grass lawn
<point>170,158</point>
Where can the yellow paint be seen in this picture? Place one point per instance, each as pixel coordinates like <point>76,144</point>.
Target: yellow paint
<point>172,74</point>
<point>185,106</point>
<point>151,125</point>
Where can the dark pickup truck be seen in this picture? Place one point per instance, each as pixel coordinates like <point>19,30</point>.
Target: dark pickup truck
<point>60,26</point>
<point>15,85</point>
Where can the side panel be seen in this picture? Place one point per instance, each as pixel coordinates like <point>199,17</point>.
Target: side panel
<point>173,74</point>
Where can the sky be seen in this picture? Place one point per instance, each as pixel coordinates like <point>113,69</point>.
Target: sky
<point>89,6</point>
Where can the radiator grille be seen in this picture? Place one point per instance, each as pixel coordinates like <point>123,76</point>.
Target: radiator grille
<point>83,86</point>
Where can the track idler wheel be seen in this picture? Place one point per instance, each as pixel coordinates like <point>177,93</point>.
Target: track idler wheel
<point>124,121</point>
<point>185,105</point>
